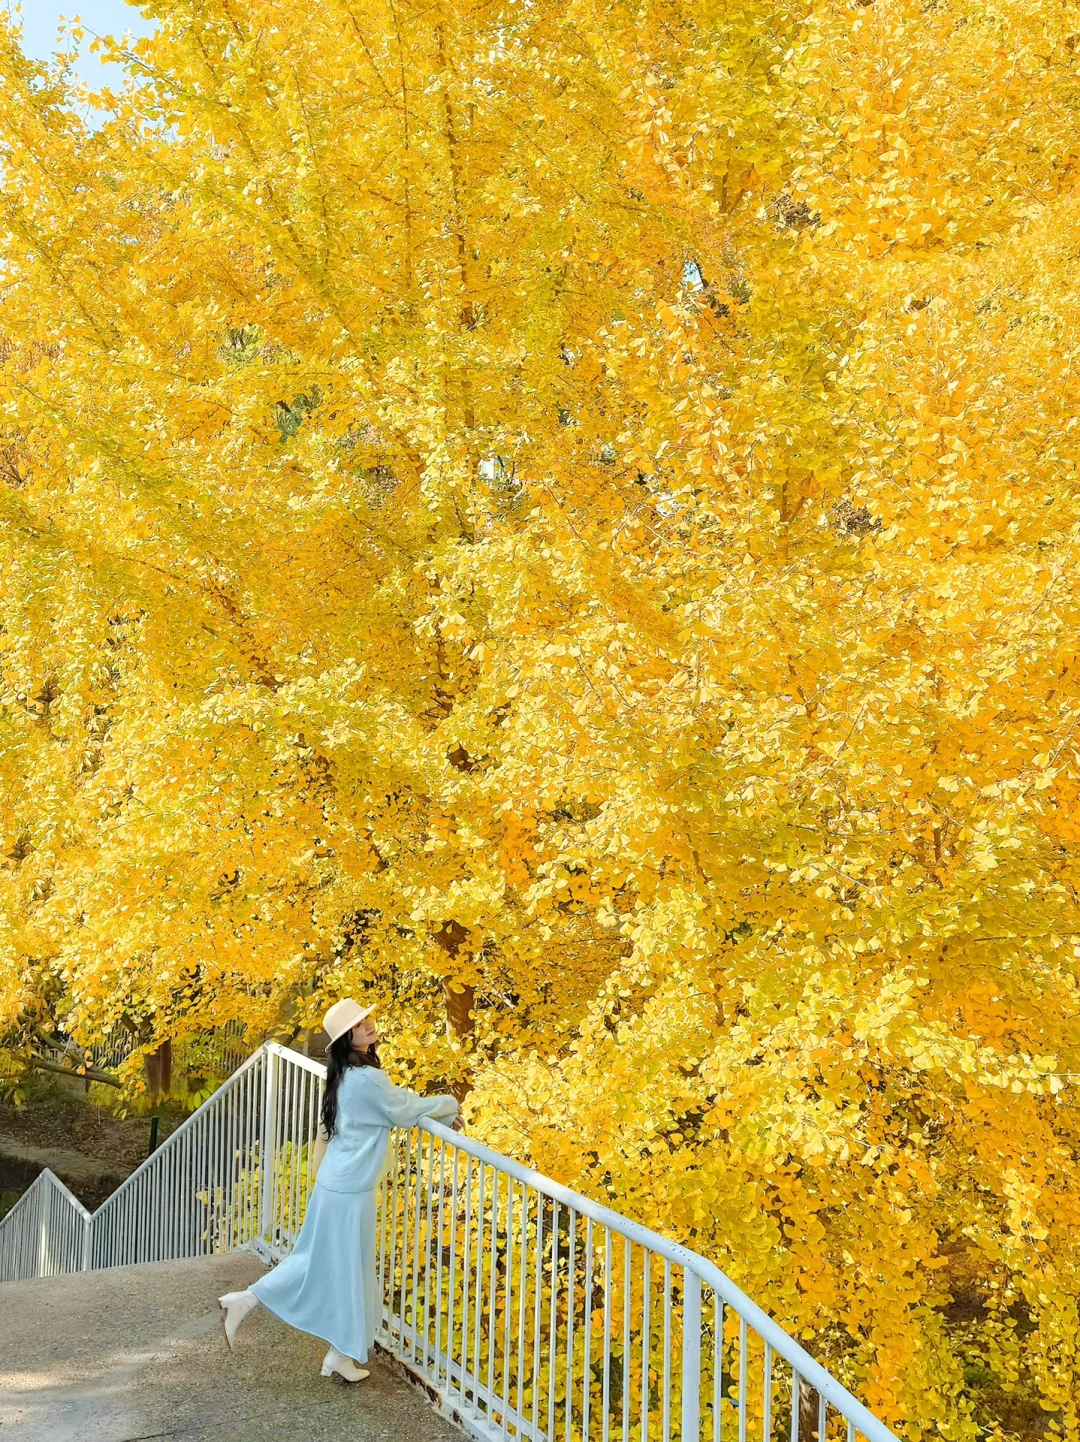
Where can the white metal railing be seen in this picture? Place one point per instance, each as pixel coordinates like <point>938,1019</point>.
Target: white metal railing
<point>45,1234</point>
<point>201,1191</point>
<point>537,1313</point>
<point>531,1311</point>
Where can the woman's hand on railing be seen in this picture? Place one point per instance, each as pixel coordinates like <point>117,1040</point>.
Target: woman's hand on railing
<point>458,1123</point>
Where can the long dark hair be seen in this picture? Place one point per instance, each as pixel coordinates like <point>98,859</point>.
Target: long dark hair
<point>342,1056</point>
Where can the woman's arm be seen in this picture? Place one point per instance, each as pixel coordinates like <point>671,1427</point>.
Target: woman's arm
<point>319,1150</point>
<point>403,1108</point>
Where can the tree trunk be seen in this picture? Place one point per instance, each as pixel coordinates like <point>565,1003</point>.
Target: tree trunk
<point>158,1066</point>
<point>808,1412</point>
<point>458,997</point>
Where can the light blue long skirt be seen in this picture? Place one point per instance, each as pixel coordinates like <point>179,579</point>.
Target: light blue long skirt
<point>327,1284</point>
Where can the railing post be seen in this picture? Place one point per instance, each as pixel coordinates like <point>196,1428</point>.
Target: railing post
<point>691,1356</point>
<point>43,1224</point>
<point>269,1147</point>
<point>87,1242</point>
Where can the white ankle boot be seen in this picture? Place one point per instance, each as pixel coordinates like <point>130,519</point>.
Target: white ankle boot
<point>236,1306</point>
<point>335,1361</point>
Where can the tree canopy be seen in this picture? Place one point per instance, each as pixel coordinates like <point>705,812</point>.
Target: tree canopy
<point>561,520</point>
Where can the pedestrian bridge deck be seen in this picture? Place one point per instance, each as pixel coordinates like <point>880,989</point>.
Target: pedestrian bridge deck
<point>139,1353</point>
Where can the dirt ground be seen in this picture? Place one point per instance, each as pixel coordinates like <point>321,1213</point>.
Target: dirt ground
<point>60,1127</point>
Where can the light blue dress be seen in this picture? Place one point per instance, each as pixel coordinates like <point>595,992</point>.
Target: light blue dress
<point>327,1285</point>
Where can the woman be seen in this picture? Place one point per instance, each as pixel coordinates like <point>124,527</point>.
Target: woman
<point>327,1284</point>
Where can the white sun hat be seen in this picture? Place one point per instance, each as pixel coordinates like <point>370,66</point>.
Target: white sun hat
<point>342,1017</point>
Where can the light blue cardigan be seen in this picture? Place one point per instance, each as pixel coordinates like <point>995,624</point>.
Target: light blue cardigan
<point>369,1104</point>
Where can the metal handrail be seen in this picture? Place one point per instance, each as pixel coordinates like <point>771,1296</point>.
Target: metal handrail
<point>45,1233</point>
<point>296,1058</point>
<point>807,1368</point>
<point>175,1137</point>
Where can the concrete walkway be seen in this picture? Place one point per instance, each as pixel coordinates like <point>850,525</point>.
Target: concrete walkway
<point>138,1353</point>
<point>69,1166</point>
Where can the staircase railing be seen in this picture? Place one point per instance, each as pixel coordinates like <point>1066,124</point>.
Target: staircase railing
<point>45,1234</point>
<point>537,1313</point>
<point>201,1191</point>
<point>532,1312</point>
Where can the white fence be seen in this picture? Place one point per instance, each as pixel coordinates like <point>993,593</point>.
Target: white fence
<point>213,1053</point>
<point>45,1234</point>
<point>531,1311</point>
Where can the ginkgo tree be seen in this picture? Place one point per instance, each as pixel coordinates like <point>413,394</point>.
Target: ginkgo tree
<point>561,519</point>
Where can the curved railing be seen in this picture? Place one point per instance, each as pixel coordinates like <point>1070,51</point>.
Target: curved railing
<point>538,1313</point>
<point>530,1311</point>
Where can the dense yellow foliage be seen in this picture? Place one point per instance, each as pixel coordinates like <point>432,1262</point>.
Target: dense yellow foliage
<point>579,503</point>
